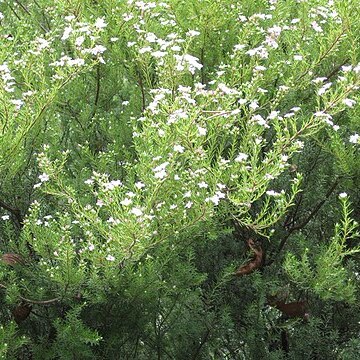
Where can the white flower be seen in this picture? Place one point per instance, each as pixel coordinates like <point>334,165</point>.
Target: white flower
<point>111,220</point>
<point>260,120</point>
<point>241,157</point>
<point>44,177</point>
<point>126,202</point>
<point>136,211</point>
<point>178,148</point>
<point>226,90</point>
<point>100,23</point>
<point>110,258</point>
<point>346,68</point>
<point>97,49</point>
<point>158,54</point>
<point>69,17</point>
<point>202,131</point>
<point>203,185</point>
<point>79,40</point>
<point>76,62</point>
<point>349,102</point>
<point>17,102</point>
<point>127,17</point>
<point>189,204</point>
<point>343,195</point>
<point>191,61</point>
<point>67,31</point>
<point>175,48</point>
<point>139,185</point>
<point>192,33</point>
<point>316,27</point>
<point>160,171</point>
<point>160,174</point>
<point>91,247</point>
<point>354,138</point>
<point>112,184</point>
<point>151,37</point>
<point>272,193</point>
<point>216,198</point>
<point>298,57</point>
<point>5,217</point>
<point>273,115</point>
<point>319,80</point>
<point>239,47</point>
<point>323,89</point>
<point>145,49</point>
<point>253,105</point>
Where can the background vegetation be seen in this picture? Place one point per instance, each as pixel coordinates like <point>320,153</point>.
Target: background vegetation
<point>179,179</point>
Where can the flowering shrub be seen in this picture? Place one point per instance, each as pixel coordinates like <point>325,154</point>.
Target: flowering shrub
<point>145,145</point>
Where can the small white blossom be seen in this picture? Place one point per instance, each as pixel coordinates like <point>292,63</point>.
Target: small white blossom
<point>67,31</point>
<point>239,47</point>
<point>319,80</point>
<point>110,258</point>
<point>126,202</point>
<point>254,105</point>
<point>349,102</point>
<point>316,27</point>
<point>203,185</point>
<point>139,185</point>
<point>323,89</point>
<point>354,138</point>
<point>187,194</point>
<point>17,102</point>
<point>192,33</point>
<point>79,40</point>
<point>44,177</point>
<point>241,157</point>
<point>97,49</point>
<point>272,193</point>
<point>158,54</point>
<point>178,148</point>
<point>136,211</point>
<point>343,195</point>
<point>189,204</point>
<point>100,23</point>
<point>201,131</point>
<point>346,68</point>
<point>215,199</point>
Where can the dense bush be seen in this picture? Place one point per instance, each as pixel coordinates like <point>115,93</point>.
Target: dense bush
<point>179,179</point>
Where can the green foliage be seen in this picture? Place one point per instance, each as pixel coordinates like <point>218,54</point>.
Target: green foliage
<point>329,279</point>
<point>150,150</point>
